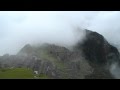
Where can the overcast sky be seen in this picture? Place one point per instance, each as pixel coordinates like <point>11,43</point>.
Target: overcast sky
<point>18,28</point>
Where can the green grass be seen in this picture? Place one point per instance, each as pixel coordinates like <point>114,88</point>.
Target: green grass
<point>20,73</point>
<point>43,76</point>
<point>16,73</point>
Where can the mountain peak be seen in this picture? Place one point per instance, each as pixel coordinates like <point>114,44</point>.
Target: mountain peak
<point>97,49</point>
<point>27,49</point>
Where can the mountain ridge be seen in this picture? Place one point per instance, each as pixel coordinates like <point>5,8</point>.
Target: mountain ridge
<point>90,59</point>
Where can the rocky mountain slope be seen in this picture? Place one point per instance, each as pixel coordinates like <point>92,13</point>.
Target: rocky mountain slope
<point>88,60</point>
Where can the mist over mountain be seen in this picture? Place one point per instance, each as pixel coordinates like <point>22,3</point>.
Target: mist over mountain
<point>93,58</point>
<point>57,44</point>
<point>58,27</point>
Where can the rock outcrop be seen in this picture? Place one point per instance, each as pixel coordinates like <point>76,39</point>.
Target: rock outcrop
<point>99,53</point>
<point>98,50</point>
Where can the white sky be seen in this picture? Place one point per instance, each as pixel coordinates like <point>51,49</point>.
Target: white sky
<point>18,28</point>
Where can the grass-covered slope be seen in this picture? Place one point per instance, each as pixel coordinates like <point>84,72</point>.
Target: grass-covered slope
<point>20,73</point>
<point>16,73</point>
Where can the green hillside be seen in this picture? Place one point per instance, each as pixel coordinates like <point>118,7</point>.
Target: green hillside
<point>16,73</point>
<point>20,73</point>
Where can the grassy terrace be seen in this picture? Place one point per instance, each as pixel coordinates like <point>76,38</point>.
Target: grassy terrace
<point>16,73</point>
<point>19,73</point>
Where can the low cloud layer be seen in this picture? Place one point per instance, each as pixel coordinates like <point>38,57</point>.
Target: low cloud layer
<point>115,70</point>
<point>20,28</point>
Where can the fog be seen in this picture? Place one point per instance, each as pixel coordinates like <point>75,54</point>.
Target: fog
<point>18,28</point>
<point>115,70</point>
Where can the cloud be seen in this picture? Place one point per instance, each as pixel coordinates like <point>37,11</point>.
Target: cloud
<point>108,24</point>
<point>18,28</point>
<point>115,70</point>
